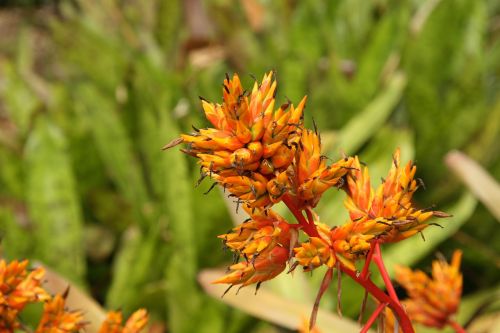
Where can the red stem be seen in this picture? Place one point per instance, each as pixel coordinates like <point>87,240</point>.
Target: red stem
<point>377,258</point>
<point>324,286</point>
<point>366,266</point>
<point>456,326</point>
<point>309,229</point>
<point>310,217</point>
<point>377,293</point>
<point>373,317</point>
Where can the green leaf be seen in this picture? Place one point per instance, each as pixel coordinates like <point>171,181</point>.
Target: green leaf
<point>181,271</point>
<point>411,250</point>
<point>115,149</point>
<point>16,240</point>
<point>364,125</point>
<point>53,204</point>
<point>132,269</point>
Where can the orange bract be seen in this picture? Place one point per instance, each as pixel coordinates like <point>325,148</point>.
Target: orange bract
<point>263,267</point>
<point>389,209</point>
<point>433,300</point>
<point>113,323</point>
<point>57,319</point>
<point>313,177</point>
<point>17,289</point>
<point>251,142</point>
<point>263,243</point>
<point>317,251</point>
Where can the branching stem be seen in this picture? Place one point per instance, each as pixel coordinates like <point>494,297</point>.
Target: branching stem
<point>309,229</point>
<point>456,326</point>
<point>377,258</point>
<point>373,317</point>
<point>382,297</point>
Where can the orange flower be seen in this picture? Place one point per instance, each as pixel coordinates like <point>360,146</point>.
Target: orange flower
<point>17,289</point>
<point>312,175</point>
<point>263,242</point>
<point>250,144</point>
<point>317,251</point>
<point>390,323</point>
<point>389,208</point>
<point>113,323</point>
<point>346,243</point>
<point>351,242</point>
<point>265,266</point>
<point>433,301</point>
<point>263,230</point>
<point>57,319</point>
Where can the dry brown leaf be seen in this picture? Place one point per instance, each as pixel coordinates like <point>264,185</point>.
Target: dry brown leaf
<point>273,308</point>
<point>479,181</point>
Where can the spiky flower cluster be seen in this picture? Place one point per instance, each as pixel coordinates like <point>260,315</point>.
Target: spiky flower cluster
<point>20,287</point>
<point>433,300</point>
<point>385,214</point>
<point>134,324</point>
<point>264,155</point>
<point>260,153</point>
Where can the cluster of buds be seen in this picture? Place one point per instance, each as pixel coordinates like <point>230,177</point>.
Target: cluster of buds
<point>134,324</point>
<point>383,215</point>
<point>260,153</point>
<point>262,156</point>
<point>20,287</point>
<point>433,300</point>
<point>264,243</point>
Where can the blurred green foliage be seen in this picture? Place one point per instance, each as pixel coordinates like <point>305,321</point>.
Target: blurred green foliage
<point>91,90</point>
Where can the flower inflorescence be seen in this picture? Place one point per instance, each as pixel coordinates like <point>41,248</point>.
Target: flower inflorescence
<point>20,287</point>
<point>433,300</point>
<point>263,155</point>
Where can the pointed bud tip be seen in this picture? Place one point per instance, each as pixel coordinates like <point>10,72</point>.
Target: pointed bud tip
<point>173,143</point>
<point>440,214</point>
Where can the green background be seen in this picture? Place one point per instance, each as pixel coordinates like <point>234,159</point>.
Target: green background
<point>91,90</point>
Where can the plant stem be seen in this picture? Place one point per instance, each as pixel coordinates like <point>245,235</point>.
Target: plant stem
<point>324,286</point>
<point>309,229</point>
<point>382,297</point>
<point>456,326</point>
<point>366,266</point>
<point>377,258</point>
<point>373,317</point>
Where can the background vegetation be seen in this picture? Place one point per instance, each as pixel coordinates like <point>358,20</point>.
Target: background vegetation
<point>91,90</point>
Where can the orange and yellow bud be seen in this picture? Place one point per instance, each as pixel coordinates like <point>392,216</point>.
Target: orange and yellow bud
<point>314,253</point>
<point>390,323</point>
<point>57,319</point>
<point>265,266</point>
<point>17,289</point>
<point>135,324</point>
<point>433,300</point>
<point>351,242</point>
<point>313,177</point>
<point>263,244</point>
<point>249,139</point>
<point>263,230</point>
<point>389,209</point>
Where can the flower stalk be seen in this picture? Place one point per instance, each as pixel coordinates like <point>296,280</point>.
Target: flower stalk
<point>456,326</point>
